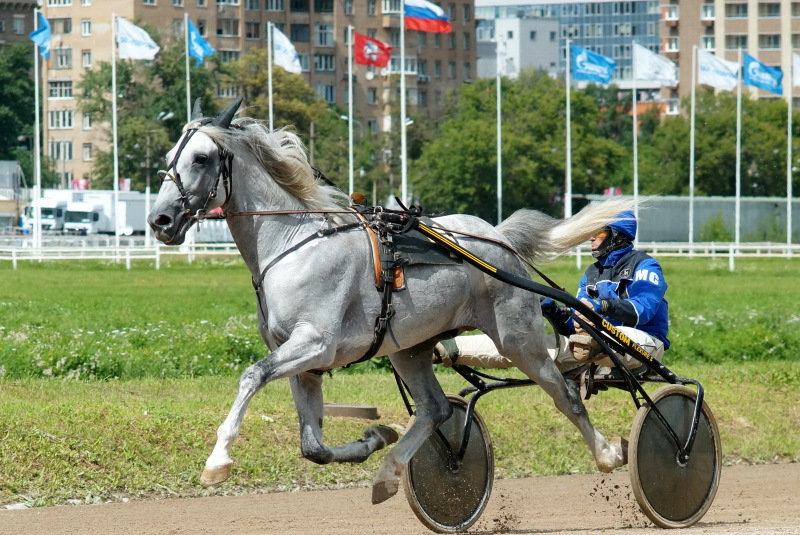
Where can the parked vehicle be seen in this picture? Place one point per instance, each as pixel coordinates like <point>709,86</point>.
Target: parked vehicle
<point>51,211</point>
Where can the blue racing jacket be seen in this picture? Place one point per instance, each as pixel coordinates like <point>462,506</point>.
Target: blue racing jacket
<point>633,286</point>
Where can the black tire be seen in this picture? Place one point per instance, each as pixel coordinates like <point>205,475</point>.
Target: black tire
<point>444,498</point>
<point>674,494</point>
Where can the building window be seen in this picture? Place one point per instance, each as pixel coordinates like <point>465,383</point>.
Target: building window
<point>323,6</point>
<point>348,7</point>
<point>86,58</point>
<point>227,91</point>
<point>86,27</point>
<point>451,70</point>
<point>2,26</point>
<point>736,11</point>
<point>275,5</point>
<point>149,2</point>
<point>87,152</point>
<point>324,63</point>
<point>373,33</point>
<point>228,55</point>
<point>372,95</point>
<point>60,119</point>
<point>228,27</point>
<point>735,42</point>
<point>299,6</point>
<point>201,3</point>
<point>707,12</point>
<point>176,3</point>
<point>252,4</point>
<point>796,9</point>
<point>299,33</point>
<point>304,62</point>
<point>327,92</point>
<point>62,58</point>
<point>371,7</point>
<point>86,2</point>
<point>769,9</point>
<point>467,38</point>
<point>769,41</point>
<point>437,40</point>
<point>451,41</point>
<point>553,36</point>
<point>58,3</point>
<point>422,39</point>
<point>707,42</point>
<point>61,150</point>
<point>467,16</point>
<point>228,2</point>
<point>533,35</point>
<point>437,69</point>
<point>87,121</point>
<point>391,6</point>
<point>372,126</point>
<point>422,68</point>
<point>451,12</point>
<point>467,71</point>
<point>63,26</point>
<point>323,34</point>
<point>252,30</point>
<point>18,24</point>
<point>422,98</point>
<point>394,37</point>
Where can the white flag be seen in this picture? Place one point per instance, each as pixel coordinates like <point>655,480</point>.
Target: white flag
<point>716,72</point>
<point>134,42</point>
<point>795,70</point>
<point>284,53</point>
<point>651,67</point>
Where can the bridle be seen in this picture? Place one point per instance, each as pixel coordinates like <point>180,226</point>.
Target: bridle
<point>224,172</point>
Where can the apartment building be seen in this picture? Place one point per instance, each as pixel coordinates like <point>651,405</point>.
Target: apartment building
<point>16,20</point>
<point>435,63</point>
<point>768,30</point>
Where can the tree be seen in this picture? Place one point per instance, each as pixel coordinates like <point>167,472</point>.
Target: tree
<point>151,104</point>
<point>16,98</point>
<point>457,170</point>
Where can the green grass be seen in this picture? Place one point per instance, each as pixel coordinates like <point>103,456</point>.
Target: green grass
<point>153,357</point>
<point>106,440</point>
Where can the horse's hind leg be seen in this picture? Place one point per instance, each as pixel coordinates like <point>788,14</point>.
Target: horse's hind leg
<point>307,393</point>
<point>432,409</point>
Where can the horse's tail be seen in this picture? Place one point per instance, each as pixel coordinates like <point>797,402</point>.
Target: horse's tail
<point>539,237</point>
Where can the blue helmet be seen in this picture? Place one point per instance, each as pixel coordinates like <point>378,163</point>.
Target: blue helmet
<point>625,223</point>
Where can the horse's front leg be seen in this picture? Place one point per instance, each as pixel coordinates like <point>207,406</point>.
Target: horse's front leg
<point>307,393</point>
<point>307,348</point>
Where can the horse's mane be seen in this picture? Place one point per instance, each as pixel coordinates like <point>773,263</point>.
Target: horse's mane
<point>282,155</point>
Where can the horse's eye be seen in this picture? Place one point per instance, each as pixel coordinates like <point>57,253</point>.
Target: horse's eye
<point>201,158</point>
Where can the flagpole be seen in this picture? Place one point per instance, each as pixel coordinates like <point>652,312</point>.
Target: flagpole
<point>114,126</point>
<point>350,107</point>
<point>635,144</point>
<point>789,157</point>
<point>188,73</point>
<point>403,162</point>
<point>568,183</point>
<point>37,148</point>
<point>269,72</point>
<point>499,137</point>
<point>737,205</point>
<point>692,143</point>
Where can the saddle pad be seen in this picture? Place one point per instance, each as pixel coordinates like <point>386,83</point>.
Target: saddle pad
<point>414,248</point>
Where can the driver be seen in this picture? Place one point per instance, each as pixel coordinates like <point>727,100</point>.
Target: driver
<point>624,285</point>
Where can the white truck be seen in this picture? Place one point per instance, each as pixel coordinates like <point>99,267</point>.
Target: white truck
<point>94,214</point>
<point>51,211</point>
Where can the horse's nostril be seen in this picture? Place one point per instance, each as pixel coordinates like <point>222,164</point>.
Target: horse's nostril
<point>163,220</point>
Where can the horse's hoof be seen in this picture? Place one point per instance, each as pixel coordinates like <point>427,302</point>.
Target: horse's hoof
<point>621,445</point>
<point>215,476</point>
<point>386,435</point>
<point>384,490</point>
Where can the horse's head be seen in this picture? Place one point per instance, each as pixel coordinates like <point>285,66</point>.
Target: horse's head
<point>197,178</point>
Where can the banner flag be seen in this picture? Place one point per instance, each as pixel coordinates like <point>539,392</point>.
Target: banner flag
<point>591,66</point>
<point>425,16</point>
<point>41,36</point>
<point>716,72</point>
<point>652,67</point>
<point>134,42</point>
<point>284,53</point>
<point>761,75</point>
<point>369,51</point>
<point>199,48</point>
<point>795,70</point>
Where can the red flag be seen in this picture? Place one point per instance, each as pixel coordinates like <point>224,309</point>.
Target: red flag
<point>369,51</point>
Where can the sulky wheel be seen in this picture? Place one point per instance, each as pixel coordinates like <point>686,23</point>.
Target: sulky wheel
<point>448,496</point>
<point>672,493</point>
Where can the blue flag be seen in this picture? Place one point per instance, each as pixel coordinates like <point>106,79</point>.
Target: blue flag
<point>762,75</point>
<point>199,48</point>
<point>41,37</point>
<point>588,65</point>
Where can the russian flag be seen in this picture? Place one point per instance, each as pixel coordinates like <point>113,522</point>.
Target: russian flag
<point>425,16</point>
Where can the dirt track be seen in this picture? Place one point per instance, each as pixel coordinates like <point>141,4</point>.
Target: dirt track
<point>751,500</point>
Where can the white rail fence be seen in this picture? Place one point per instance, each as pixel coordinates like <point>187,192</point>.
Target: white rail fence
<point>134,251</point>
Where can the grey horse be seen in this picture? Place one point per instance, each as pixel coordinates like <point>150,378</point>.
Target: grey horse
<point>317,301</point>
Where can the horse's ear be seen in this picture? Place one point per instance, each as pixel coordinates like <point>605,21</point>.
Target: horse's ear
<point>223,120</point>
<point>197,112</point>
